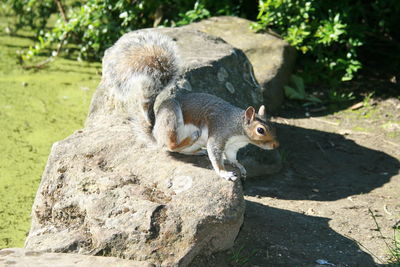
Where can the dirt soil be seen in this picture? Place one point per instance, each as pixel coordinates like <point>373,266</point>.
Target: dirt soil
<point>340,174</point>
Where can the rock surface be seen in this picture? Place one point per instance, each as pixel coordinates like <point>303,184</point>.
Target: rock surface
<point>272,58</point>
<point>104,193</point>
<point>11,257</point>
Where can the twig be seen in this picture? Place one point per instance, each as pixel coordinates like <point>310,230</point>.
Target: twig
<point>41,65</point>
<point>379,229</point>
<point>62,10</point>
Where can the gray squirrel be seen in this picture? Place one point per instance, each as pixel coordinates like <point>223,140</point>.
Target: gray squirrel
<point>140,65</point>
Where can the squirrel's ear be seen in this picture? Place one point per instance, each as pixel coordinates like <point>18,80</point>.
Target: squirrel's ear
<point>250,114</point>
<point>261,112</point>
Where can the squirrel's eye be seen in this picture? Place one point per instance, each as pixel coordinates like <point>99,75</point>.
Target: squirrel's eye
<point>260,130</point>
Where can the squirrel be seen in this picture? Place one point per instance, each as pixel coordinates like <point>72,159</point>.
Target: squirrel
<point>142,64</point>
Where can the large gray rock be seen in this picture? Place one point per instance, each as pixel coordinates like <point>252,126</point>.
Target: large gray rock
<point>19,257</point>
<point>272,58</point>
<point>104,193</point>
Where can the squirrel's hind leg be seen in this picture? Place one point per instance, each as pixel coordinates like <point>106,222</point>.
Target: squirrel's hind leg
<point>174,146</point>
<point>169,129</point>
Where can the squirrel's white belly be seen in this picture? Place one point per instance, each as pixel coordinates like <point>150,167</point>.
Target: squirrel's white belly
<point>233,145</point>
<point>188,130</point>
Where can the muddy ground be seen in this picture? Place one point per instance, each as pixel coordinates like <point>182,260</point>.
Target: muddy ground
<point>340,174</point>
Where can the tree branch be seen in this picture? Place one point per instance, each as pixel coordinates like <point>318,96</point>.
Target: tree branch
<point>62,10</point>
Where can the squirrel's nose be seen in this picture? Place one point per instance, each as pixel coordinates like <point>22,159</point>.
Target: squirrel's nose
<point>275,144</point>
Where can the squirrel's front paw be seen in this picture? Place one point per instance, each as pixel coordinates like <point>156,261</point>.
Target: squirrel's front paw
<point>243,172</point>
<point>196,135</point>
<point>230,176</point>
<point>201,152</point>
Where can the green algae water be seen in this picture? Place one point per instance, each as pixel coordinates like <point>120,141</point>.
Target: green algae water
<point>37,108</point>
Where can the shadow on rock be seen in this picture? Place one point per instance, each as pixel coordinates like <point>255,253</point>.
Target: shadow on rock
<point>302,240</point>
<point>201,161</point>
<point>323,166</point>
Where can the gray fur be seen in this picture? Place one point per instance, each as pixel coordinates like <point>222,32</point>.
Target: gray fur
<point>131,82</point>
<point>169,117</point>
<point>217,112</point>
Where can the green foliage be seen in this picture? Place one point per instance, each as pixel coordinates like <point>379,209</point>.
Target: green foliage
<point>240,258</point>
<point>31,13</point>
<point>296,91</point>
<point>89,27</point>
<point>368,99</point>
<point>328,33</point>
<point>393,245</point>
<point>199,12</point>
<point>335,96</point>
<point>395,248</point>
<point>94,26</point>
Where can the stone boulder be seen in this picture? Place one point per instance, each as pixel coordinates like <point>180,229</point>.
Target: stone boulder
<point>104,192</point>
<point>271,57</point>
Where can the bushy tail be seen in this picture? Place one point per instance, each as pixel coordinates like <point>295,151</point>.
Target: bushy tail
<point>138,67</point>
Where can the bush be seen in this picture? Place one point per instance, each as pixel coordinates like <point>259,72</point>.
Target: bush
<point>30,13</point>
<point>94,25</point>
<point>329,33</point>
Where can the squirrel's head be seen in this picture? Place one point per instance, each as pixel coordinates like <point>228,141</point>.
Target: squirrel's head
<point>260,131</point>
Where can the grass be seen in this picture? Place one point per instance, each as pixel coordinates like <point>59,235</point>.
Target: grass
<point>240,257</point>
<point>393,246</point>
<point>37,108</point>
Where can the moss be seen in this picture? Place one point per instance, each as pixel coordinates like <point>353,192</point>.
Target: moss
<point>360,129</point>
<point>37,108</point>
